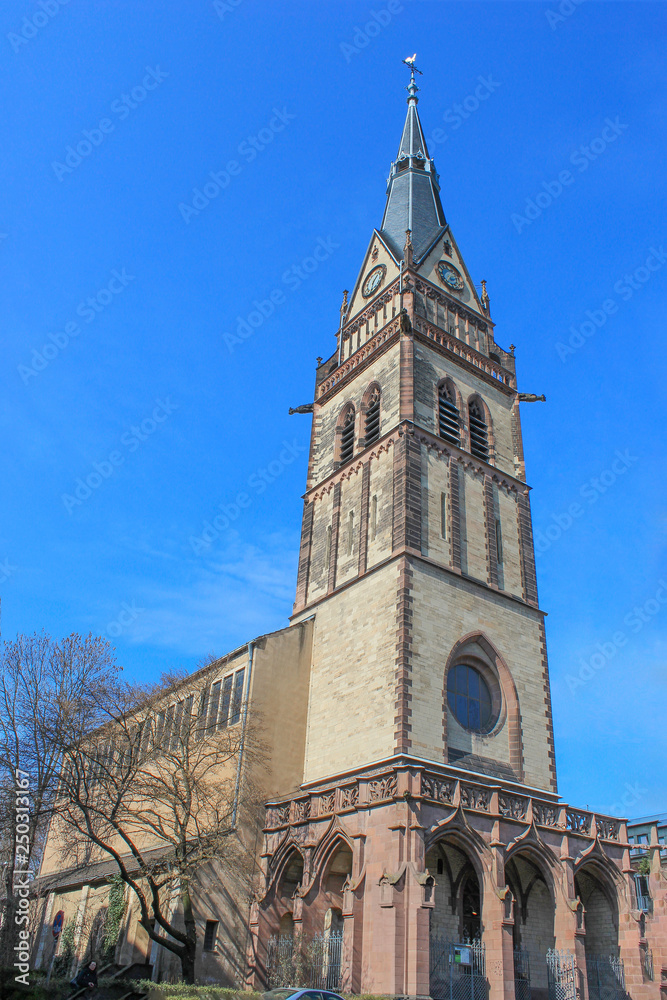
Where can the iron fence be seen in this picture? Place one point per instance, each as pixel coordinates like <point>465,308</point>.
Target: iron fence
<point>647,964</point>
<point>521,975</point>
<point>606,977</point>
<point>313,963</point>
<point>561,975</point>
<point>457,971</point>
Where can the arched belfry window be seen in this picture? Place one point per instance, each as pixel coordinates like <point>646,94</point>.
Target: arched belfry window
<point>372,421</point>
<point>479,431</point>
<point>449,422</point>
<point>347,435</point>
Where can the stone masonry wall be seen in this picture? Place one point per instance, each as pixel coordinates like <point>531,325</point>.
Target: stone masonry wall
<point>352,693</point>
<point>445,610</point>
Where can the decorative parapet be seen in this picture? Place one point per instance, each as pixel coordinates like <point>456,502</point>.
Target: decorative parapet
<point>386,785</point>
<point>579,822</point>
<point>370,347</point>
<point>463,351</point>
<point>607,828</point>
<point>512,806</point>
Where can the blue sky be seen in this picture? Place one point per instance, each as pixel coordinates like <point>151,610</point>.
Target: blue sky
<point>145,382</point>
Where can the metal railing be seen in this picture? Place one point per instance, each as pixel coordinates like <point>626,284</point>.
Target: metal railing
<point>606,977</point>
<point>314,963</point>
<point>561,975</point>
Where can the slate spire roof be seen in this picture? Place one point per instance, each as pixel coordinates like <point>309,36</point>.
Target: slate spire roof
<point>413,192</point>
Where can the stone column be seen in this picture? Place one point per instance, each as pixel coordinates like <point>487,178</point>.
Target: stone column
<point>569,927</point>
<point>498,924</point>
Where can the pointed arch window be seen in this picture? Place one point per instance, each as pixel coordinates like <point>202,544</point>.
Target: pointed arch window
<point>449,421</point>
<point>372,423</point>
<point>347,436</point>
<point>479,431</point>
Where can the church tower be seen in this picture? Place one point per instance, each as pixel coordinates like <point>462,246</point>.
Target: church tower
<point>416,549</point>
<point>426,851</point>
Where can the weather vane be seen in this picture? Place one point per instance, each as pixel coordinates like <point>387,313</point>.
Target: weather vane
<point>412,87</point>
<point>410,61</point>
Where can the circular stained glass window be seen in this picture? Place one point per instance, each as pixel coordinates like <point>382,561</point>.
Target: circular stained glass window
<point>469,697</point>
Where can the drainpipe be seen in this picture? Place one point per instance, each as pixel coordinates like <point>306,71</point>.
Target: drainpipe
<point>237,787</point>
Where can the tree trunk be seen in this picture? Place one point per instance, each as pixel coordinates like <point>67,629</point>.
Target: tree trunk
<point>190,948</point>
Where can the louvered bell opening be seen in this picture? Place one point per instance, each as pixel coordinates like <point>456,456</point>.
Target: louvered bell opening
<point>449,421</point>
<point>479,438</point>
<point>347,439</point>
<point>373,420</point>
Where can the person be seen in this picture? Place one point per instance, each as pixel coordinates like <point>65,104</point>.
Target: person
<point>87,977</point>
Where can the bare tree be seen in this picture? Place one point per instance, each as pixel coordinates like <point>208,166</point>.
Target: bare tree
<point>159,792</point>
<point>44,683</point>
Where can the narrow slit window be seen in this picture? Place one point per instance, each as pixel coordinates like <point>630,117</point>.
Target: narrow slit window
<point>159,728</point>
<point>146,728</point>
<point>347,437</point>
<point>479,432</point>
<point>168,727</point>
<point>210,935</point>
<point>214,705</point>
<point>237,699</point>
<point>499,541</point>
<point>449,423</point>
<point>443,515</point>
<point>226,699</point>
<point>374,517</point>
<point>186,721</point>
<point>327,550</point>
<point>178,722</point>
<point>372,429</point>
<point>350,533</point>
<point>203,709</point>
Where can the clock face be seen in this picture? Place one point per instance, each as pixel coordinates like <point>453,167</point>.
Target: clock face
<point>450,276</point>
<point>373,281</point>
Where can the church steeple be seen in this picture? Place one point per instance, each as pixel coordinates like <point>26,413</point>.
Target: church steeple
<point>413,192</point>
